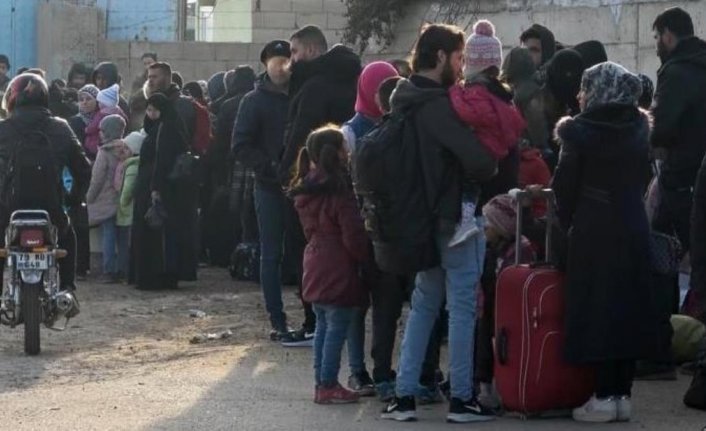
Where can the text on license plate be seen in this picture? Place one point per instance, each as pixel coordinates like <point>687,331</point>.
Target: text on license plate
<point>31,261</point>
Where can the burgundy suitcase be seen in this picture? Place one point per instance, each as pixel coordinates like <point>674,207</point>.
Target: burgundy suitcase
<point>531,375</point>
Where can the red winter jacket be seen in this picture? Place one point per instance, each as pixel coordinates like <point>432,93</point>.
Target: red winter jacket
<point>497,123</point>
<point>534,170</point>
<point>337,244</point>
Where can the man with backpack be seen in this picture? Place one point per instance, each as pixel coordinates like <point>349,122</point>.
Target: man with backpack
<point>440,154</point>
<point>35,147</point>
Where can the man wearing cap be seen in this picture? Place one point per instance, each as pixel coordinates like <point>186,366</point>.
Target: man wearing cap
<point>258,139</point>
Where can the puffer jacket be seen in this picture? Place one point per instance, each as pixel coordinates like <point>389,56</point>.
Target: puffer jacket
<point>336,244</point>
<point>92,140</point>
<point>487,107</point>
<point>102,198</point>
<point>127,194</point>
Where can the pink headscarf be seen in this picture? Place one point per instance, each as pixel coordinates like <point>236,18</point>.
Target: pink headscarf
<point>370,79</point>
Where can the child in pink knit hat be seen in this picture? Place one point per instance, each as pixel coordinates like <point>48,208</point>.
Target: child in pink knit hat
<point>485,104</point>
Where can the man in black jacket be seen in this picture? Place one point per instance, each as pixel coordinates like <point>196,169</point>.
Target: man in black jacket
<point>27,103</point>
<point>679,111</point>
<point>679,140</point>
<point>257,143</point>
<point>322,90</point>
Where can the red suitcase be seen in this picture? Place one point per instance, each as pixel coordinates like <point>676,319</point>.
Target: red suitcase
<point>531,375</point>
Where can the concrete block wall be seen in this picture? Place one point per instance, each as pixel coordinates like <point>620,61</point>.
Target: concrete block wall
<point>624,26</point>
<point>272,19</point>
<point>194,60</point>
<point>280,18</point>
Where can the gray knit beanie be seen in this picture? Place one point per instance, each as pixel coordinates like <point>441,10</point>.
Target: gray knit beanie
<point>113,127</point>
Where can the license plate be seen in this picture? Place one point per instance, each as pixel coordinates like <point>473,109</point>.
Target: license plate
<point>31,261</point>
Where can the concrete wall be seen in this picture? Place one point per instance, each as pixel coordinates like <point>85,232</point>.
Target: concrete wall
<point>624,26</point>
<point>197,60</point>
<point>61,42</point>
<point>278,19</point>
<point>156,20</point>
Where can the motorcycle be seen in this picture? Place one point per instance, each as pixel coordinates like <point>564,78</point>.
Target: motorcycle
<point>31,294</point>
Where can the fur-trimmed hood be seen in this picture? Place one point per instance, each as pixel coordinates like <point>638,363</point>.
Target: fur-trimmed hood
<point>605,125</point>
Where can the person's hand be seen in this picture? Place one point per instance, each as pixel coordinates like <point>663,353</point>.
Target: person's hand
<point>535,190</point>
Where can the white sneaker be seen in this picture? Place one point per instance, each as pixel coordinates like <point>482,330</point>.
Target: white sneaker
<point>624,409</point>
<point>597,410</point>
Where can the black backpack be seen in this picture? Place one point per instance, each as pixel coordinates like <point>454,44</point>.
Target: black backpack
<point>32,179</point>
<point>389,178</point>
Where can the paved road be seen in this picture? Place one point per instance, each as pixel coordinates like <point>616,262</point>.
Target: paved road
<point>127,364</point>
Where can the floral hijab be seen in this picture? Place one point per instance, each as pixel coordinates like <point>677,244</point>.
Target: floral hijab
<point>610,83</point>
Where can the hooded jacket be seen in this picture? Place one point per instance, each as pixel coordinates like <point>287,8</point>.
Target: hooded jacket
<point>238,84</point>
<point>322,91</point>
<point>109,71</point>
<point>450,150</point>
<point>102,198</point>
<point>337,244</point>
<point>67,151</point>
<point>127,194</point>
<point>679,113</point>
<point>518,70</point>
<point>258,136</point>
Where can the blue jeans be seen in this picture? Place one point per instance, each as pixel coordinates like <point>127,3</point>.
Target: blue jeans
<point>110,234</point>
<point>123,250</point>
<point>270,207</point>
<point>457,277</point>
<point>356,341</point>
<point>331,329</point>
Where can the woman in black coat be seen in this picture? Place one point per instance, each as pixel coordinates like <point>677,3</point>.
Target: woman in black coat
<point>598,184</point>
<point>163,256</point>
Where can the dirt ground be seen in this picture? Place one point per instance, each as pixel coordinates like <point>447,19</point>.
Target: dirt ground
<point>128,363</point>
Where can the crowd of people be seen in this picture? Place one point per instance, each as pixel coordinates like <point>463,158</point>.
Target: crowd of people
<point>259,172</point>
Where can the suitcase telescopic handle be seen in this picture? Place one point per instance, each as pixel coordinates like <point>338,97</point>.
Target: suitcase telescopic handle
<point>523,196</point>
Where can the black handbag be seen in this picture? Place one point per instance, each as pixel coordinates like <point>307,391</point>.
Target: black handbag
<point>665,251</point>
<point>156,215</point>
<point>185,168</point>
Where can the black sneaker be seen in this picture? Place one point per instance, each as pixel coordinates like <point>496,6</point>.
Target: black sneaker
<point>401,409</point>
<point>299,338</point>
<point>279,334</point>
<point>362,384</point>
<point>461,412</point>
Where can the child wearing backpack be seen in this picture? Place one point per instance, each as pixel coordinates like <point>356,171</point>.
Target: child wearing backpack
<point>337,245</point>
<point>108,100</point>
<point>485,104</point>
<point>102,197</point>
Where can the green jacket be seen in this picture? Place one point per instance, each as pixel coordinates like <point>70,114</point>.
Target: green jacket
<point>124,217</point>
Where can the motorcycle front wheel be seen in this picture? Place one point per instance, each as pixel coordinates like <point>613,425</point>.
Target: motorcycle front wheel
<point>32,316</point>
